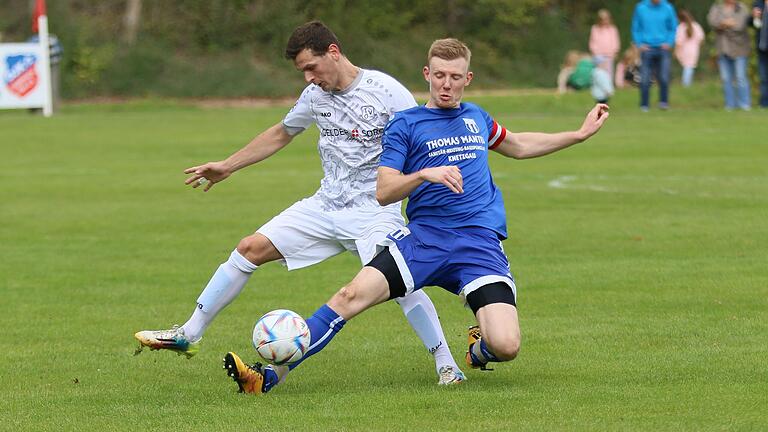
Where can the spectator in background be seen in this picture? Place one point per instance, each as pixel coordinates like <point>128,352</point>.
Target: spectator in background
<point>729,20</point>
<point>575,72</point>
<point>688,41</point>
<point>654,24</point>
<point>604,42</point>
<point>628,69</point>
<point>579,72</point>
<point>760,23</point>
<point>602,84</point>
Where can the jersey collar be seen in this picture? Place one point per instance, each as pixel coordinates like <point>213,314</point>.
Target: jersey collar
<point>352,85</point>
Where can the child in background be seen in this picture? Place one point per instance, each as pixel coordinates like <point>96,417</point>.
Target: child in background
<point>580,72</point>
<point>628,69</point>
<point>602,84</point>
<point>576,72</point>
<point>688,42</point>
<point>604,41</point>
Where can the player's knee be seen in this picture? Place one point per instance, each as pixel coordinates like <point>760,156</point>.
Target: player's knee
<point>257,249</point>
<point>505,348</point>
<point>251,249</point>
<point>343,299</point>
<point>347,294</point>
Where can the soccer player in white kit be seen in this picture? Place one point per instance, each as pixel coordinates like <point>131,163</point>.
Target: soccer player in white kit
<point>350,107</point>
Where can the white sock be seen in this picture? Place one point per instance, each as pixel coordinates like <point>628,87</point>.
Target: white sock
<point>422,316</point>
<point>225,284</point>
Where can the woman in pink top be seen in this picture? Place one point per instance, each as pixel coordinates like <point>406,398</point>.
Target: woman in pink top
<point>688,41</point>
<point>604,42</point>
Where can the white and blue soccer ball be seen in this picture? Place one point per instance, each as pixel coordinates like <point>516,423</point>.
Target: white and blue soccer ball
<point>281,337</point>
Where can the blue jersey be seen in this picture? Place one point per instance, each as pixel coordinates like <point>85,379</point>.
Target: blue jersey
<point>423,137</point>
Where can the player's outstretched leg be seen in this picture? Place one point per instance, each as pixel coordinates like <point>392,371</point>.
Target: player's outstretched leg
<point>368,288</point>
<point>323,326</point>
<point>422,315</point>
<point>223,287</point>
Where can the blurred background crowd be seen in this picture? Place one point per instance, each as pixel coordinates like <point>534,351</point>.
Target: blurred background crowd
<point>659,33</point>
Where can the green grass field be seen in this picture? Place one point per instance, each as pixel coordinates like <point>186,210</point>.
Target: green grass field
<point>641,260</point>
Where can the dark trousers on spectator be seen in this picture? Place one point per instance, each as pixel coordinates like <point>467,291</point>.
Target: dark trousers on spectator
<point>657,61</point>
<point>762,63</point>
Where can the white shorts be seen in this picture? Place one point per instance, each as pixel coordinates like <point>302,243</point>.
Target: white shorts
<point>305,234</point>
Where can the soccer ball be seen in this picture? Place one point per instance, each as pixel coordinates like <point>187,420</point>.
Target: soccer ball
<point>281,337</point>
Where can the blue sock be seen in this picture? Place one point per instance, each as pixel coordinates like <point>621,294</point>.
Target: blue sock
<point>480,353</point>
<point>323,326</point>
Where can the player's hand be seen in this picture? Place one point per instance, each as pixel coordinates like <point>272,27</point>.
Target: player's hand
<point>450,176</point>
<point>594,120</point>
<point>207,174</point>
<point>665,47</point>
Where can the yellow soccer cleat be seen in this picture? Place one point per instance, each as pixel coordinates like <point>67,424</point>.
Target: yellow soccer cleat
<point>250,379</point>
<point>473,337</point>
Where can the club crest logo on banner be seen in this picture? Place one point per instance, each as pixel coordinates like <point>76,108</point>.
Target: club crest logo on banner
<point>20,75</point>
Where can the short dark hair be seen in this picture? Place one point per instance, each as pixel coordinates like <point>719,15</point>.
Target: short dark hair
<point>313,35</point>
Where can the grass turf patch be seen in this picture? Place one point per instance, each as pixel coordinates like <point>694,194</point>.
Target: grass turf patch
<point>640,258</point>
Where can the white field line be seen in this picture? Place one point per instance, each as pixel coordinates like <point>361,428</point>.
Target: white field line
<point>685,183</point>
<point>565,182</point>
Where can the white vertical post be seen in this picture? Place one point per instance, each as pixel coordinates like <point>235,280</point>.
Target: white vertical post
<point>45,65</point>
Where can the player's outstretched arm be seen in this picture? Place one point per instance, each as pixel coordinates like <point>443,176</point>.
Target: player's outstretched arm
<point>393,186</point>
<point>263,146</point>
<point>526,145</point>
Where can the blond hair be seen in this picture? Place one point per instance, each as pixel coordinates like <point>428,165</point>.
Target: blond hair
<point>449,49</point>
<point>573,57</point>
<point>604,13</point>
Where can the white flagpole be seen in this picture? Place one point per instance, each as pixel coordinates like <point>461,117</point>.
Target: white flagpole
<point>45,65</point>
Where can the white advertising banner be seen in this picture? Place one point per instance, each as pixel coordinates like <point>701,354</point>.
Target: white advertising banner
<point>24,82</point>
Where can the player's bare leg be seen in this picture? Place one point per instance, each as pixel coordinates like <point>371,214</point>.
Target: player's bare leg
<point>258,249</point>
<point>367,289</point>
<point>499,336</point>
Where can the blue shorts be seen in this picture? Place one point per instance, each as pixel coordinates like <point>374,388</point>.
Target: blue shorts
<point>459,260</point>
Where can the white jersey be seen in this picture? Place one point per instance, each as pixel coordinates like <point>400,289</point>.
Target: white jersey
<point>351,124</point>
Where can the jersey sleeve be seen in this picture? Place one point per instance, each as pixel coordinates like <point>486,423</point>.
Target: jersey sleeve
<point>401,98</point>
<point>496,132</point>
<point>394,144</point>
<point>300,116</point>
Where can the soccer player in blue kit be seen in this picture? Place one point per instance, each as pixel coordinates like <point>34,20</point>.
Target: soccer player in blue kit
<point>436,155</point>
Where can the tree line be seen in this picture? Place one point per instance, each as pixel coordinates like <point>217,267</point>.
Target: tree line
<point>231,48</point>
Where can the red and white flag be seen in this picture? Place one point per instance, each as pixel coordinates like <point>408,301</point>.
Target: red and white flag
<point>39,11</point>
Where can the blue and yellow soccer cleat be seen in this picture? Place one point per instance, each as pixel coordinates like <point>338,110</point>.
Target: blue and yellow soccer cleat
<point>172,340</point>
<point>250,379</point>
<point>450,376</point>
<point>473,337</point>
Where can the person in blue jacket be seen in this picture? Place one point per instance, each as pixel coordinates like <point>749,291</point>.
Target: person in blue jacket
<point>760,23</point>
<point>654,24</point>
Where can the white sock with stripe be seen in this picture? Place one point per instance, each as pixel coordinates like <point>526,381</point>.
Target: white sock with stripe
<point>225,284</point>
<point>422,315</point>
